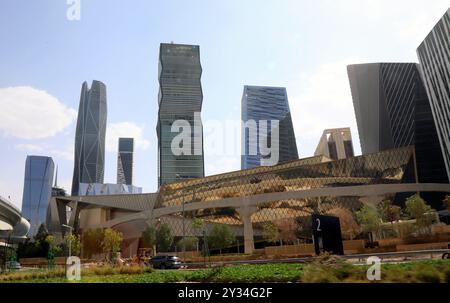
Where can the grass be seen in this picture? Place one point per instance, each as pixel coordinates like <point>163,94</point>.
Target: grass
<point>321,271</point>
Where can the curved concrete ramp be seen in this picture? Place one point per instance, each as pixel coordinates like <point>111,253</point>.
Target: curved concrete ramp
<point>11,215</point>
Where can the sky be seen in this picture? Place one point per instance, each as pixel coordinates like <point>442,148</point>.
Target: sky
<point>303,45</point>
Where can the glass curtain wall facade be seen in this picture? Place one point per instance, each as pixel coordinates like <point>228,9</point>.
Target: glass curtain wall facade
<point>434,58</point>
<point>125,161</point>
<point>266,103</point>
<point>387,167</point>
<point>90,133</point>
<point>392,110</point>
<point>180,98</point>
<point>37,190</point>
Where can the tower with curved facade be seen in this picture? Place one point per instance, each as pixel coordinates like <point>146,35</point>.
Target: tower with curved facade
<point>180,98</point>
<point>89,164</point>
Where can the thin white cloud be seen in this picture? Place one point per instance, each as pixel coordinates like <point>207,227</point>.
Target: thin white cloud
<point>322,100</point>
<point>29,113</point>
<point>29,147</point>
<point>221,164</point>
<point>50,151</point>
<point>128,130</point>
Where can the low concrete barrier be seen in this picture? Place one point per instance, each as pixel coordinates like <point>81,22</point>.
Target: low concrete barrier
<point>41,262</point>
<point>290,250</point>
<point>424,246</point>
<point>353,246</point>
<point>441,229</point>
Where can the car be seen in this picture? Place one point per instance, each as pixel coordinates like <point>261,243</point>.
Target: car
<point>13,265</point>
<point>165,262</point>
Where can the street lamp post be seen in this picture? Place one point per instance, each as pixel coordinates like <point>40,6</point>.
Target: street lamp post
<point>178,176</point>
<point>70,238</point>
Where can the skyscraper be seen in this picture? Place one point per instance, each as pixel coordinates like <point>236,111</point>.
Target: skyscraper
<point>336,144</point>
<point>262,103</point>
<point>434,58</point>
<point>125,161</point>
<point>392,110</point>
<point>90,136</point>
<point>37,190</point>
<point>180,98</point>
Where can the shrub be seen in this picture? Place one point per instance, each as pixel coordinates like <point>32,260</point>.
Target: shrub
<point>428,274</point>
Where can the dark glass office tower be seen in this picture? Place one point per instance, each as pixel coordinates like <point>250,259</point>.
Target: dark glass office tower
<point>90,136</point>
<point>392,110</point>
<point>37,190</point>
<point>125,161</point>
<point>180,98</point>
<point>266,103</point>
<point>434,58</point>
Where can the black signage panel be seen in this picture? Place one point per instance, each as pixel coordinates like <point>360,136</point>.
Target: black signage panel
<point>327,234</point>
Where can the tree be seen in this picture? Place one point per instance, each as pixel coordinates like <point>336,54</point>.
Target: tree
<point>164,238</point>
<point>92,242</point>
<point>111,243</point>
<point>417,209</point>
<point>369,218</point>
<point>189,243</point>
<point>41,234</point>
<point>287,230</point>
<point>270,232</point>
<point>198,224</point>
<point>53,248</point>
<point>220,236</point>
<point>304,227</point>
<point>73,241</point>
<point>149,238</point>
<point>349,226</point>
<point>446,201</point>
<point>389,212</point>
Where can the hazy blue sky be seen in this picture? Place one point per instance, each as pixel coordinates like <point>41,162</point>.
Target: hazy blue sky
<point>302,45</point>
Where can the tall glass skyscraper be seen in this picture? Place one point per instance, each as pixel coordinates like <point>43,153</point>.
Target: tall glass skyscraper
<point>266,103</point>
<point>392,110</point>
<point>125,161</point>
<point>434,58</point>
<point>37,190</point>
<point>90,136</point>
<point>180,98</point>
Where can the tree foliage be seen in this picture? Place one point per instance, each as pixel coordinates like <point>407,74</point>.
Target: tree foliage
<point>270,232</point>
<point>389,212</point>
<point>220,236</point>
<point>74,242</point>
<point>446,202</point>
<point>92,242</point>
<point>188,243</point>
<point>149,237</point>
<point>164,238</point>
<point>369,218</point>
<point>417,209</point>
<point>111,243</point>
<point>349,227</point>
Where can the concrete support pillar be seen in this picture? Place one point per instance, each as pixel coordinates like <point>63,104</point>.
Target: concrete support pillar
<point>245,213</point>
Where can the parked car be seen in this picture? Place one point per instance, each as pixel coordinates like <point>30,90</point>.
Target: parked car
<point>13,265</point>
<point>165,262</point>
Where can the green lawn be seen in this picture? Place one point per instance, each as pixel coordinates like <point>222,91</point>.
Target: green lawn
<point>416,272</point>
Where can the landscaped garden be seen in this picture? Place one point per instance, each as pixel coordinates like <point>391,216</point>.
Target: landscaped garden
<point>324,270</point>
